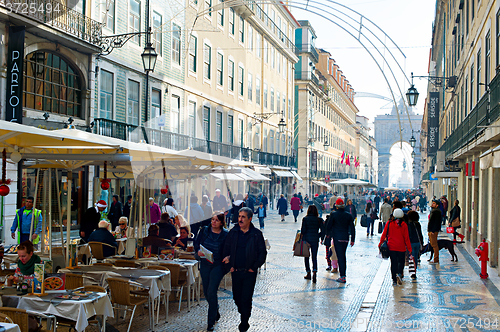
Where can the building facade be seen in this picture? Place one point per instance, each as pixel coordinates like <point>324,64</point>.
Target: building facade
<point>464,107</point>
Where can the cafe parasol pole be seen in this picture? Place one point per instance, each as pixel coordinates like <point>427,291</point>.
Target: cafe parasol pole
<point>49,220</point>
<point>37,175</point>
<point>59,203</point>
<point>68,216</point>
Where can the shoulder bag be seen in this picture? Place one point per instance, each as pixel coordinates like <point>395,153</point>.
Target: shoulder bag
<point>384,247</point>
<point>455,222</point>
<point>301,247</point>
<point>364,222</point>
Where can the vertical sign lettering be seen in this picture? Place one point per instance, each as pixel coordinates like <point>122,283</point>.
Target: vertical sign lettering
<point>433,123</point>
<point>314,161</point>
<point>15,62</point>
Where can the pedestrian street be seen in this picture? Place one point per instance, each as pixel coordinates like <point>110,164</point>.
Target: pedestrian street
<point>445,297</point>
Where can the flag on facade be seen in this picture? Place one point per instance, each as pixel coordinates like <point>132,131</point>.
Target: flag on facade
<point>347,162</point>
<point>342,157</point>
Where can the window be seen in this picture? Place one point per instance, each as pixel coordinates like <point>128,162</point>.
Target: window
<point>207,50</point>
<point>106,102</point>
<point>108,15</point>
<point>471,86</point>
<point>273,57</point>
<point>176,44</point>
<point>192,119</point>
<point>231,21</point>
<point>472,11</point>
<point>487,61</point>
<point>277,143</point>
<point>265,95</point>
<point>258,44</point>
<point>257,91</point>
<point>271,141</point>
<point>175,107</point>
<point>52,85</point>
<point>478,78</point>
<point>220,64</point>
<point>218,127</point>
<point>272,99</point>
<point>498,39</point>
<point>250,38</point>
<point>230,73</point>
<point>284,67</point>
<point>278,61</point>
<point>289,109</point>
<point>133,103</point>
<point>266,51</point>
<point>134,19</point>
<point>466,96</point>
<point>156,38</point>
<point>155,107</point>
<point>278,102</point>
<point>220,15</point>
<point>264,140</point>
<point>208,4</point>
<point>240,80</point>
<point>206,122</point>
<point>249,96</point>
<point>242,30</point>
<point>230,132</point>
<point>249,135</point>
<point>192,53</point>
<point>240,131</point>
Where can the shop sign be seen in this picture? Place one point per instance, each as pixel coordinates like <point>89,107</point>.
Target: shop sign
<point>15,65</point>
<point>433,123</point>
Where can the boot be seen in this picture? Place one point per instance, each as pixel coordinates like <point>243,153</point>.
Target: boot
<point>335,270</point>
<point>314,277</point>
<point>308,276</point>
<point>461,237</point>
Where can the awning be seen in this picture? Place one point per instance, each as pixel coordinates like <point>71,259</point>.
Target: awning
<point>252,175</point>
<point>296,175</point>
<point>321,184</point>
<point>227,176</point>
<point>283,174</point>
<point>490,158</point>
<point>446,174</point>
<point>263,170</point>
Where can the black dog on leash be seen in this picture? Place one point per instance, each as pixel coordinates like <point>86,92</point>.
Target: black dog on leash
<point>443,243</point>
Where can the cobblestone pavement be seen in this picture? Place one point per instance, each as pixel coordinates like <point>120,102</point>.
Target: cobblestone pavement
<point>445,297</point>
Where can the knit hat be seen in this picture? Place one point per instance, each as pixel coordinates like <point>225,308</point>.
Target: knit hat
<point>339,201</point>
<point>101,204</point>
<point>398,213</point>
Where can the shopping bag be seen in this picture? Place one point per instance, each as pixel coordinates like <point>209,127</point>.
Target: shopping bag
<point>450,230</point>
<point>380,227</point>
<point>301,249</point>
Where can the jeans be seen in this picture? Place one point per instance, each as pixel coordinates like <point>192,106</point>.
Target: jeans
<point>340,249</point>
<point>261,222</point>
<point>211,276</point>
<point>397,262</point>
<point>371,223</point>
<point>243,287</point>
<point>314,257</point>
<point>415,250</point>
<point>434,244</point>
<point>295,214</point>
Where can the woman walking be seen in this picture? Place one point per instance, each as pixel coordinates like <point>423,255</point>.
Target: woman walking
<point>312,232</point>
<point>282,207</point>
<point>351,209</point>
<point>212,238</point>
<point>295,206</point>
<point>455,221</point>
<point>398,241</point>
<point>369,218</point>
<point>416,237</point>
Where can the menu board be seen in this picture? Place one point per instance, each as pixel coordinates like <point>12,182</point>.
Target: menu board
<point>39,280</point>
<point>166,253</point>
<point>55,281</point>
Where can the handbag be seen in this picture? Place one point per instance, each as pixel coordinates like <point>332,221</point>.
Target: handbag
<point>384,247</point>
<point>374,216</point>
<point>380,227</point>
<point>450,230</point>
<point>455,222</point>
<point>301,248</point>
<point>364,221</point>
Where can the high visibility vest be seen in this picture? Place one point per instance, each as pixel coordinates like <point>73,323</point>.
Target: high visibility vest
<point>37,214</point>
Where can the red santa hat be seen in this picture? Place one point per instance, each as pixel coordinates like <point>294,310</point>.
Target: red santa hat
<point>101,204</point>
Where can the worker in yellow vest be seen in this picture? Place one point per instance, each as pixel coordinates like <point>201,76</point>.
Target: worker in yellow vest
<point>23,223</point>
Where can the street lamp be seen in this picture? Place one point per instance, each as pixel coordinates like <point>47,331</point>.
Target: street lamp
<point>326,144</point>
<point>413,141</point>
<point>413,154</point>
<point>281,126</point>
<point>412,95</point>
<point>149,58</point>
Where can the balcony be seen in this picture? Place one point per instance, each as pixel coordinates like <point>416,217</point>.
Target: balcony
<point>473,125</point>
<point>59,17</point>
<point>307,75</point>
<point>307,48</point>
<point>175,141</point>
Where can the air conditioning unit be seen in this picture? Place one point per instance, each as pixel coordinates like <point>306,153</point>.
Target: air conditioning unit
<point>440,161</point>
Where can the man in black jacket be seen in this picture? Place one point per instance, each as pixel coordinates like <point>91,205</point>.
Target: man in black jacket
<point>115,211</point>
<point>91,219</point>
<point>244,252</point>
<point>339,227</point>
<point>433,228</point>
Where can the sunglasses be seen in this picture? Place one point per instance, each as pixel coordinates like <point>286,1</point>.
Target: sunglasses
<point>122,224</point>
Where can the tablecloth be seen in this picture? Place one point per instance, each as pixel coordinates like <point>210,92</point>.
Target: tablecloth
<point>6,327</point>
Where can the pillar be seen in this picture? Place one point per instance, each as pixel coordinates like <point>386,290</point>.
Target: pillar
<point>475,212</point>
<point>494,210</point>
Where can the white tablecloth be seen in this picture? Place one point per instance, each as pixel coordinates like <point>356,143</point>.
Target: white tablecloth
<point>79,311</point>
<point>10,327</point>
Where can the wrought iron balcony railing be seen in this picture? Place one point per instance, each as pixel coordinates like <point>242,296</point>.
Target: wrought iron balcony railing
<point>179,142</point>
<point>54,14</point>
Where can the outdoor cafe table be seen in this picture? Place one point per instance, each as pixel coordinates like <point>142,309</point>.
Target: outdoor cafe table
<point>77,310</point>
<point>7,327</point>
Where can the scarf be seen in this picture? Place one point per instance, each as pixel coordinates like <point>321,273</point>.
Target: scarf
<point>29,268</point>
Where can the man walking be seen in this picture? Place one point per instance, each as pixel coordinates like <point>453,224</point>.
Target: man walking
<point>433,228</point>
<point>115,211</point>
<point>23,223</point>
<point>339,227</point>
<point>219,202</point>
<point>301,202</point>
<point>385,211</point>
<point>244,252</point>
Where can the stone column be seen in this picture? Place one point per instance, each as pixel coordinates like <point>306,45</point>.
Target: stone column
<point>475,212</point>
<point>494,210</point>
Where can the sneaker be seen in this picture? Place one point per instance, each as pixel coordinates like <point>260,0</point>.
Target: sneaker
<point>210,328</point>
<point>398,279</point>
<point>394,283</point>
<point>341,280</point>
<point>329,268</point>
<point>413,276</point>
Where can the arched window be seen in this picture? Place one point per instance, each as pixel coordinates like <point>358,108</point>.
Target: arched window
<point>51,85</point>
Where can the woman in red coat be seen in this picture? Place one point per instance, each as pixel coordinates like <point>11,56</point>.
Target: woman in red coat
<point>398,241</point>
<point>295,206</point>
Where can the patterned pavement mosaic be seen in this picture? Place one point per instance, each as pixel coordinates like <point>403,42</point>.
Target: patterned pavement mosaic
<point>445,297</point>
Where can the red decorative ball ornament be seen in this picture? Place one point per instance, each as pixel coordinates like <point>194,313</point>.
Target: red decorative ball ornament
<point>4,190</point>
<point>164,191</point>
<point>104,185</point>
